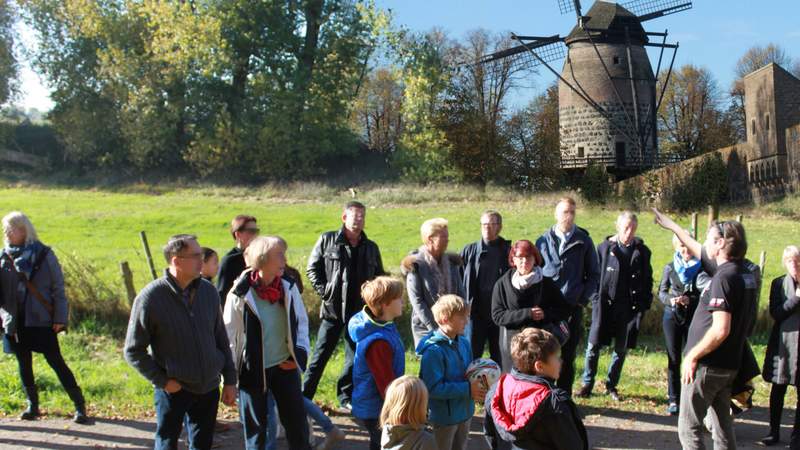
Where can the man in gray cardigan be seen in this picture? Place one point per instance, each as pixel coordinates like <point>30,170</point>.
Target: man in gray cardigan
<point>178,317</point>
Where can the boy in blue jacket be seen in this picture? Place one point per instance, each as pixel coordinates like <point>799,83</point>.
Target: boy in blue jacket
<point>446,353</point>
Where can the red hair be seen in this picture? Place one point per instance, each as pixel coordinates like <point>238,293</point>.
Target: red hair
<point>525,247</point>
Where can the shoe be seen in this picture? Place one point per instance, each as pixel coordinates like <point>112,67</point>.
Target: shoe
<point>672,409</point>
<point>331,438</point>
<point>614,394</point>
<point>76,396</point>
<point>769,440</point>
<point>312,438</point>
<point>32,411</point>
<point>281,432</point>
<point>585,391</point>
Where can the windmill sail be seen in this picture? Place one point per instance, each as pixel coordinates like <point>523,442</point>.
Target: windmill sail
<point>653,9</point>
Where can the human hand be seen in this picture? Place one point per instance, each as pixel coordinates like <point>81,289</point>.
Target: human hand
<point>688,369</point>
<point>663,221</point>
<point>172,386</point>
<point>229,395</point>
<point>477,391</point>
<point>58,327</point>
<point>537,313</point>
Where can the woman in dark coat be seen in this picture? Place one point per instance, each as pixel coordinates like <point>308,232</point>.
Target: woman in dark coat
<point>41,311</point>
<point>681,284</point>
<point>782,362</point>
<point>523,298</point>
<point>626,292</point>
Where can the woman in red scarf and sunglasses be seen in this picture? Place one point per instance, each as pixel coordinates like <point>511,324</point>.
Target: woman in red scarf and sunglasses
<point>268,331</point>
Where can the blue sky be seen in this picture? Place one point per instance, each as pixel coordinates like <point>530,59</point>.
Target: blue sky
<point>714,34</point>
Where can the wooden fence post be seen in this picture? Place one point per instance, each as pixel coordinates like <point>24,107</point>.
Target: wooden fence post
<point>147,254</point>
<point>694,226</point>
<point>127,279</point>
<point>713,214</point>
<point>740,218</point>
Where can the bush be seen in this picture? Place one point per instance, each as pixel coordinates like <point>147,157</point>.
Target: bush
<point>703,183</point>
<point>93,302</point>
<point>595,186</point>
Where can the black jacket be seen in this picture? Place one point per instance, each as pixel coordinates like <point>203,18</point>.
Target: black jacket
<point>615,314</point>
<point>671,286</point>
<point>782,363</point>
<point>472,254</point>
<point>328,272</point>
<point>530,412</point>
<point>230,267</point>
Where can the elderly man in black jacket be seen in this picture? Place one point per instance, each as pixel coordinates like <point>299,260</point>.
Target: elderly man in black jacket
<point>626,292</point>
<point>485,261</point>
<point>339,264</point>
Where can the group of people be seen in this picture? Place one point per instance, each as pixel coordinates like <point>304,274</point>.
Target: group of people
<point>249,333</point>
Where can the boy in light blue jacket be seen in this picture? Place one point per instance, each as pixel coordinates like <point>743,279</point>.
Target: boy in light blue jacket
<point>445,354</point>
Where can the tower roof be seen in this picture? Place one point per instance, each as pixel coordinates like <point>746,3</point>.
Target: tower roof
<point>606,22</point>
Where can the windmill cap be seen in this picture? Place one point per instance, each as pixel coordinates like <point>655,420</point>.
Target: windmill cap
<point>607,22</point>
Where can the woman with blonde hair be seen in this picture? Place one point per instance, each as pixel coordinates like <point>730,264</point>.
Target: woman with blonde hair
<point>403,417</point>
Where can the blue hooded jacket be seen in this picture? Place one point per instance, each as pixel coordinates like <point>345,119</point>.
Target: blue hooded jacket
<point>363,330</point>
<point>576,269</point>
<point>443,369</point>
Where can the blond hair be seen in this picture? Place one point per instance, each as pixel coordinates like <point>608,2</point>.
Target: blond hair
<point>448,306</point>
<point>17,220</point>
<point>257,253</point>
<point>406,403</point>
<point>431,227</point>
<point>381,291</point>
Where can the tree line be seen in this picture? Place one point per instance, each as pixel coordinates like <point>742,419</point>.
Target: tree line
<point>298,89</point>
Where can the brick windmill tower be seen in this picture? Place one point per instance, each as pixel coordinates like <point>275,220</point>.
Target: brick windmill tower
<point>607,87</point>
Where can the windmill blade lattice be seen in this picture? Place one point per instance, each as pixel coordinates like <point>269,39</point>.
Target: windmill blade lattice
<point>647,9</point>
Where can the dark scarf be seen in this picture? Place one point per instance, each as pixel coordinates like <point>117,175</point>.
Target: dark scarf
<point>25,256</point>
<point>272,292</point>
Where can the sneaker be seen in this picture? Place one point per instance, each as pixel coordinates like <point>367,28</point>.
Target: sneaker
<point>331,438</point>
<point>614,394</point>
<point>281,433</point>
<point>768,440</point>
<point>312,439</point>
<point>672,409</point>
<point>585,391</point>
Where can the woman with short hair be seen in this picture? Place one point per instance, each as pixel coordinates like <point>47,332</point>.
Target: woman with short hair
<point>39,312</point>
<point>782,361</point>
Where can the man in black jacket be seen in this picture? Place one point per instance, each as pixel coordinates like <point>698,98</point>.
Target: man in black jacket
<point>339,264</point>
<point>626,292</point>
<point>243,230</point>
<point>485,261</point>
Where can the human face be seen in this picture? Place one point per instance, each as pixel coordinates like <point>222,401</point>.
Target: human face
<point>393,309</point>
<point>275,263</point>
<point>524,264</point>
<point>714,242</point>
<point>455,325</point>
<point>210,267</point>
<point>437,244</point>
<point>626,230</point>
<point>793,268</point>
<point>353,219</point>
<point>565,216</point>
<point>248,232</point>
<point>685,253</point>
<point>189,262</point>
<point>16,236</point>
<point>549,368</point>
<point>490,228</point>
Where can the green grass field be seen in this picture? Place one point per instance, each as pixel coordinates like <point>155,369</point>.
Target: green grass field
<point>94,230</point>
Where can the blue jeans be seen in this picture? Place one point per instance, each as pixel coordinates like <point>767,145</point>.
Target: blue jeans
<point>312,410</point>
<point>614,368</point>
<point>200,411</point>
<point>254,413</point>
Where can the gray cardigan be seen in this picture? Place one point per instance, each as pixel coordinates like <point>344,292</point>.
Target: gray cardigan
<point>49,281</point>
<point>187,344</point>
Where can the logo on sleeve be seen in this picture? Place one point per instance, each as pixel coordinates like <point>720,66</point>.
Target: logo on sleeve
<point>716,302</point>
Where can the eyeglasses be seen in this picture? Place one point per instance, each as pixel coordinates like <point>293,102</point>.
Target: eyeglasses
<point>251,230</point>
<point>487,224</point>
<point>191,256</point>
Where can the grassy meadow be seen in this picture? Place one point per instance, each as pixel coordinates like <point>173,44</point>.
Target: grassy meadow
<point>93,230</point>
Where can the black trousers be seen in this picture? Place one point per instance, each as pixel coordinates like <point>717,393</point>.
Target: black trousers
<point>41,340</point>
<point>327,339</point>
<point>483,330</point>
<point>776,395</point>
<point>570,350</point>
<point>675,335</point>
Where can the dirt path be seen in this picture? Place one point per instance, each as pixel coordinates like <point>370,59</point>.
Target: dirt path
<point>607,430</point>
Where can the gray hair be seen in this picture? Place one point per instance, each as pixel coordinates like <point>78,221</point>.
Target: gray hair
<point>257,253</point>
<point>18,220</point>
<point>626,216</point>
<point>791,252</point>
<point>176,244</point>
<point>493,213</point>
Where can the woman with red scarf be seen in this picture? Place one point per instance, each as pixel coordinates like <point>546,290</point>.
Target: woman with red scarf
<point>268,330</point>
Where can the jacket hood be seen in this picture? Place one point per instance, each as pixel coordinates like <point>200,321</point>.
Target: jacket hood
<point>518,400</point>
<point>434,338</point>
<point>362,325</point>
<point>402,437</point>
<point>408,265</point>
<point>636,240</point>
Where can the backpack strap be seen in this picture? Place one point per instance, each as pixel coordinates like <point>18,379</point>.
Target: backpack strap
<point>28,284</point>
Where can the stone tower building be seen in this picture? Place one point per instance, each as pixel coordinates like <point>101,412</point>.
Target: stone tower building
<point>599,65</point>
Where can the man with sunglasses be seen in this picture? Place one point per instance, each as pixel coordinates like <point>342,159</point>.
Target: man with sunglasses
<point>243,230</point>
<point>717,334</point>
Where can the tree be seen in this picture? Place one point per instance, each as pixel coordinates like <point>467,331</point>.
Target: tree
<point>690,118</point>
<point>753,59</point>
<point>8,62</point>
<point>378,111</point>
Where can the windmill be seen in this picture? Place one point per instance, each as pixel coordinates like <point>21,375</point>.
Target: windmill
<point>606,72</point>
